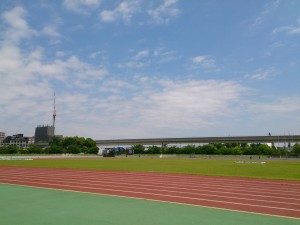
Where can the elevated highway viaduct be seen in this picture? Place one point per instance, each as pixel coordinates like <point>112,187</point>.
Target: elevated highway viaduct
<point>198,140</point>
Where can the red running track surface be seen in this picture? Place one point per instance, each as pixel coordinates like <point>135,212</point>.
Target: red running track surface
<point>273,197</point>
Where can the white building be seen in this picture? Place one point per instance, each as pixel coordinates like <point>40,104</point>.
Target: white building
<point>17,139</point>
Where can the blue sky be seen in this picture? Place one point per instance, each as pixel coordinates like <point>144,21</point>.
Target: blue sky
<point>144,69</point>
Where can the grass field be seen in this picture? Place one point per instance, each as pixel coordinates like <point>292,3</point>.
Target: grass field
<point>281,169</point>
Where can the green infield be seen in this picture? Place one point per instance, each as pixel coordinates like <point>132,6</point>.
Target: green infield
<point>281,169</point>
<point>34,206</point>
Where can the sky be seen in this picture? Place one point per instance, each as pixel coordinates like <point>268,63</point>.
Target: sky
<point>150,69</point>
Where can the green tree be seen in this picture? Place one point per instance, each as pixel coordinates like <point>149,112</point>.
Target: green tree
<point>67,141</point>
<point>55,149</point>
<point>56,141</point>
<point>12,149</point>
<point>226,151</point>
<point>154,150</point>
<point>72,145</point>
<point>264,150</point>
<point>217,145</point>
<point>93,150</point>
<point>210,149</point>
<point>89,143</point>
<point>172,150</point>
<point>138,149</point>
<point>33,149</point>
<point>231,145</point>
<point>236,151</point>
<point>296,148</point>
<point>244,145</point>
<point>73,149</point>
<point>188,149</point>
<point>3,150</point>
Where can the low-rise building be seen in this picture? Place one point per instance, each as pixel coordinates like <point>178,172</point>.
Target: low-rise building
<point>17,139</point>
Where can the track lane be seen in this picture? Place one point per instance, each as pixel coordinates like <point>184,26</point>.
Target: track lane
<point>140,178</point>
<point>166,187</point>
<point>160,191</point>
<point>182,183</point>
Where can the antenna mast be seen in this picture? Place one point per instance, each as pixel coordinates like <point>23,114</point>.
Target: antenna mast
<point>54,113</point>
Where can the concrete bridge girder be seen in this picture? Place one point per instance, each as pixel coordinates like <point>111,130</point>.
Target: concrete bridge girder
<point>231,139</point>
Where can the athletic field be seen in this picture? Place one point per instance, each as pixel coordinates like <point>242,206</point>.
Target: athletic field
<point>104,196</point>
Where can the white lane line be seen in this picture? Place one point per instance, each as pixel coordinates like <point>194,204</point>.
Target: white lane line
<point>207,184</point>
<point>169,176</point>
<point>154,187</point>
<point>153,180</point>
<point>233,190</point>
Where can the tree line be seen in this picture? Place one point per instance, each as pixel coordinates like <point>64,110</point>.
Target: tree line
<point>80,145</point>
<point>66,145</point>
<point>219,149</point>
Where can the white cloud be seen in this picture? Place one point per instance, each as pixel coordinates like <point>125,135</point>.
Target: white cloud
<point>50,31</point>
<point>124,11</point>
<point>164,12</point>
<point>108,16</point>
<point>165,56</point>
<point>188,103</point>
<point>115,86</point>
<point>80,6</point>
<point>18,27</point>
<point>279,106</point>
<point>157,104</point>
<point>129,8</point>
<point>141,54</point>
<point>137,60</point>
<point>206,63</point>
<point>59,54</point>
<point>96,54</point>
<point>290,30</point>
<point>132,64</point>
<point>198,59</point>
<point>262,74</point>
<point>267,9</point>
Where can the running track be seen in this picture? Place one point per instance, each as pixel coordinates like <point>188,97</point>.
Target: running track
<point>273,197</point>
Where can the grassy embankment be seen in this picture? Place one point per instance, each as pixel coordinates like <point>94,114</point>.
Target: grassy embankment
<point>288,170</point>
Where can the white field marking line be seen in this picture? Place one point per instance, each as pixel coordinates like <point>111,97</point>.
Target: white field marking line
<point>154,200</point>
<point>161,195</point>
<point>185,176</point>
<point>166,188</point>
<point>88,185</point>
<point>169,176</point>
<point>207,184</point>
